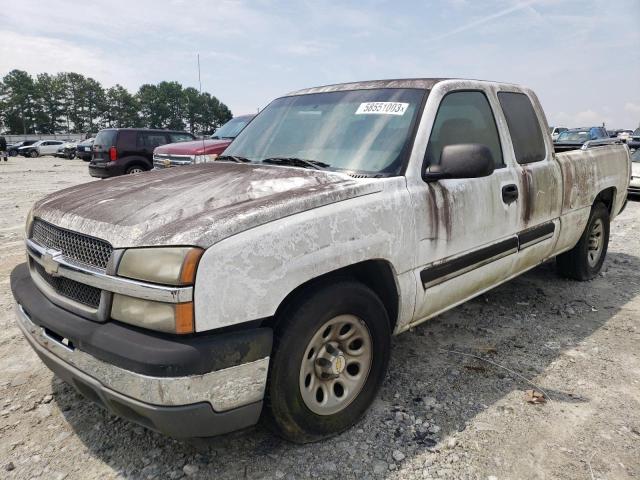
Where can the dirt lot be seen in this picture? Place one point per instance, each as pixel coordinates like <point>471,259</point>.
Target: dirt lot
<point>439,415</point>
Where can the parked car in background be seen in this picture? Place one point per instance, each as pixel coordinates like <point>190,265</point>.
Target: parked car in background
<point>84,149</point>
<point>200,151</point>
<point>12,150</point>
<point>555,131</point>
<point>576,138</point>
<point>67,150</point>
<point>41,147</point>
<point>120,151</point>
<point>634,184</point>
<point>634,140</point>
<point>624,135</point>
<point>275,277</point>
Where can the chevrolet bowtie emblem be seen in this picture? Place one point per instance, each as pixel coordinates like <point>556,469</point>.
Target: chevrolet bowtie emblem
<point>49,263</point>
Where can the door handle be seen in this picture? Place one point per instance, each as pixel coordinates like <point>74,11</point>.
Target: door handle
<point>509,193</point>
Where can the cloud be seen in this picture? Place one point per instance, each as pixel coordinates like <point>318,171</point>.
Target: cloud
<point>306,48</point>
<point>37,54</point>
<point>486,19</point>
<point>251,51</point>
<point>632,107</point>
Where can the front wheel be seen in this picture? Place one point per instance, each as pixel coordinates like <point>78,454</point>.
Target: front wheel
<point>13,153</point>
<point>584,261</point>
<point>33,154</point>
<point>330,356</point>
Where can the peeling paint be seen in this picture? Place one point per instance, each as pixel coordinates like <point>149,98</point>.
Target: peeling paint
<point>197,205</point>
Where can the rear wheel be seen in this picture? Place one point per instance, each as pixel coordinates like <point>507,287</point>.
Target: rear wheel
<point>330,356</point>
<point>135,169</point>
<point>584,261</point>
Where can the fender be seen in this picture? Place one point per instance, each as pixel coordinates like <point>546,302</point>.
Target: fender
<point>246,276</point>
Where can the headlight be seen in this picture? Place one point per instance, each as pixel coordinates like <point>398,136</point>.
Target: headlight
<point>204,158</point>
<point>163,317</point>
<point>169,266</point>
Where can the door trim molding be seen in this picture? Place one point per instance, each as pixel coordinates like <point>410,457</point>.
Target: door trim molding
<point>534,235</point>
<point>451,268</point>
<point>447,269</point>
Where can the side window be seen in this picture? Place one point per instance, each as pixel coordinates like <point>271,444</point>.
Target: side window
<point>151,140</point>
<point>464,117</point>
<point>524,128</point>
<point>180,137</point>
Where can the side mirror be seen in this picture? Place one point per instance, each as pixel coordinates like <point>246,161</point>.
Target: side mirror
<point>464,160</point>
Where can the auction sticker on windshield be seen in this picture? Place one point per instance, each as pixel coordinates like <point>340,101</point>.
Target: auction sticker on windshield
<point>382,108</point>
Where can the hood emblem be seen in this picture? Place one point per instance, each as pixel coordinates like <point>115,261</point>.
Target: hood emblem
<point>49,262</point>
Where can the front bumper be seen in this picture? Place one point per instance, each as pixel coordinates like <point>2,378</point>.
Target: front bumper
<point>634,186</point>
<point>204,403</point>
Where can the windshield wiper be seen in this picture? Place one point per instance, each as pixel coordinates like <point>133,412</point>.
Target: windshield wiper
<point>297,162</point>
<point>232,158</point>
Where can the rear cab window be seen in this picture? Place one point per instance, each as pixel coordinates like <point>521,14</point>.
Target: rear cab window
<point>524,127</point>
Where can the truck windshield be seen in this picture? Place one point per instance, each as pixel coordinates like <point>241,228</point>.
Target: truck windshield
<point>365,131</point>
<point>578,137</point>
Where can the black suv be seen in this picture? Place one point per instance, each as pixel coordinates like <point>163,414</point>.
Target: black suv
<point>119,151</point>
<point>12,149</point>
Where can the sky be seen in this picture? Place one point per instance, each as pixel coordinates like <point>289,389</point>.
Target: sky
<point>582,57</point>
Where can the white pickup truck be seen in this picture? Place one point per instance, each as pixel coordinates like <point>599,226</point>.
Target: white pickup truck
<point>190,300</point>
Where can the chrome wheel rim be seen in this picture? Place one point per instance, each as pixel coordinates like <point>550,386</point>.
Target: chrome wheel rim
<point>595,243</point>
<point>335,365</point>
<point>135,170</point>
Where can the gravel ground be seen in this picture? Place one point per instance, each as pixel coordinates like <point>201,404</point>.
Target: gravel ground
<point>439,414</point>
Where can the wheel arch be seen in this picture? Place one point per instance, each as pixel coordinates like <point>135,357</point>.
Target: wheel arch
<point>608,197</point>
<point>132,161</point>
<point>377,274</point>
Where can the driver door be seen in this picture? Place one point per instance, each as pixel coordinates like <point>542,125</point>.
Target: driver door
<point>466,227</point>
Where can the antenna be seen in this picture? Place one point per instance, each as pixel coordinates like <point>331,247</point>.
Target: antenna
<point>200,86</point>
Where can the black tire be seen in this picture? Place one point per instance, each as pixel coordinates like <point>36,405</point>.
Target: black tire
<point>33,153</point>
<point>135,169</point>
<point>13,153</point>
<point>285,412</point>
<point>575,263</point>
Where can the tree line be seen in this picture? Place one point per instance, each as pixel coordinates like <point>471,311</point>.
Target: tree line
<point>72,103</point>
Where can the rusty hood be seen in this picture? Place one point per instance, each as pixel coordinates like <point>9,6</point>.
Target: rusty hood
<point>197,205</point>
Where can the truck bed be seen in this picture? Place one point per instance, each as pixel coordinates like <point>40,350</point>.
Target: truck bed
<point>587,172</point>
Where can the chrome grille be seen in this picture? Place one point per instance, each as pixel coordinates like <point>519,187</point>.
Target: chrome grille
<point>78,292</point>
<point>81,248</point>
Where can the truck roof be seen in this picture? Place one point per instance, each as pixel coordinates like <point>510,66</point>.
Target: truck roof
<point>423,83</point>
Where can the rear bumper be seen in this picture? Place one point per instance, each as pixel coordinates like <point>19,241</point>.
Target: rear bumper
<point>194,401</point>
<point>105,170</point>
